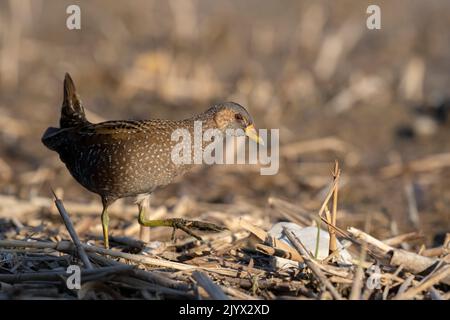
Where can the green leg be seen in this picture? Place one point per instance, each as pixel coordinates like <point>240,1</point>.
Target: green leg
<point>105,222</point>
<point>143,203</point>
<point>178,223</point>
<point>144,234</point>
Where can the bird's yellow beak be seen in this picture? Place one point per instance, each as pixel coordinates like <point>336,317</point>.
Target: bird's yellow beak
<point>251,132</point>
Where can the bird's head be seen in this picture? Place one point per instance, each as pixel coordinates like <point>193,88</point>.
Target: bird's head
<point>230,115</point>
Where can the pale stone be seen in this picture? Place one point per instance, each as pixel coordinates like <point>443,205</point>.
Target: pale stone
<point>308,236</point>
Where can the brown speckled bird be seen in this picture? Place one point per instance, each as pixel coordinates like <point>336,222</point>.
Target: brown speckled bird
<point>124,158</point>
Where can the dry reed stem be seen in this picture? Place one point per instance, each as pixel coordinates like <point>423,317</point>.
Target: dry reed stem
<point>270,251</point>
<point>378,247</point>
<point>213,290</point>
<point>332,232</point>
<point>311,264</point>
<point>237,294</point>
<point>336,252</point>
<point>357,285</point>
<point>65,246</point>
<point>437,277</point>
<point>73,234</point>
<point>401,238</point>
<point>264,237</point>
<point>411,261</point>
<point>328,197</point>
<point>86,275</point>
<point>388,285</point>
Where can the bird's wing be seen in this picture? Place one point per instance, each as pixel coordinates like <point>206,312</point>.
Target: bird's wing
<point>115,128</point>
<point>109,132</point>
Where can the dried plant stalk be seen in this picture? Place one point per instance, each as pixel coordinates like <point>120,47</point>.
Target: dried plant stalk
<point>336,175</point>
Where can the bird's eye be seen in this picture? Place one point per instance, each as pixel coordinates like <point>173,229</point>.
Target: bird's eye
<point>238,116</point>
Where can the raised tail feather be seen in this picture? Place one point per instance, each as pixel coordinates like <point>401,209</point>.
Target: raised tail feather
<point>72,115</point>
<point>72,111</point>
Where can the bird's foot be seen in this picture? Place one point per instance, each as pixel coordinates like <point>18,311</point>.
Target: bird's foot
<point>187,225</point>
<point>183,224</point>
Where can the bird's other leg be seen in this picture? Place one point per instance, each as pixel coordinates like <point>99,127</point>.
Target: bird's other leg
<point>177,223</point>
<point>143,203</point>
<point>105,220</point>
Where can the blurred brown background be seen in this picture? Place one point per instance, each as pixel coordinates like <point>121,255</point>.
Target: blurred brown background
<point>369,98</point>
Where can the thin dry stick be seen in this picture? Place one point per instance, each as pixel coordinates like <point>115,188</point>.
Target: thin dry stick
<point>158,262</point>
<point>72,232</point>
<point>329,219</point>
<point>33,244</point>
<point>213,290</point>
<point>340,231</point>
<point>401,238</point>
<point>277,244</point>
<point>336,175</point>
<point>434,252</point>
<point>310,263</point>
<point>66,246</point>
<point>237,294</point>
<point>328,197</point>
<point>435,278</point>
<point>152,287</point>
<point>382,248</point>
<point>406,283</point>
<point>152,277</point>
<point>388,286</point>
<point>411,261</point>
<point>270,251</point>
<point>359,275</point>
<point>319,225</point>
<point>56,275</point>
<point>436,267</point>
<point>345,246</point>
<point>322,209</point>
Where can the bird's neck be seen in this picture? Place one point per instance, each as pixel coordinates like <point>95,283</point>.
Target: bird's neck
<point>206,118</point>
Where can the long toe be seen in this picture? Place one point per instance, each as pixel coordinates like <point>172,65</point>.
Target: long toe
<point>205,226</point>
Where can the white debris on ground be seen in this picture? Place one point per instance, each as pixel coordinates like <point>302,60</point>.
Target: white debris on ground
<point>308,237</point>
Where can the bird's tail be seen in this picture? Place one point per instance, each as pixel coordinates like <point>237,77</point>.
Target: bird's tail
<point>72,111</point>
